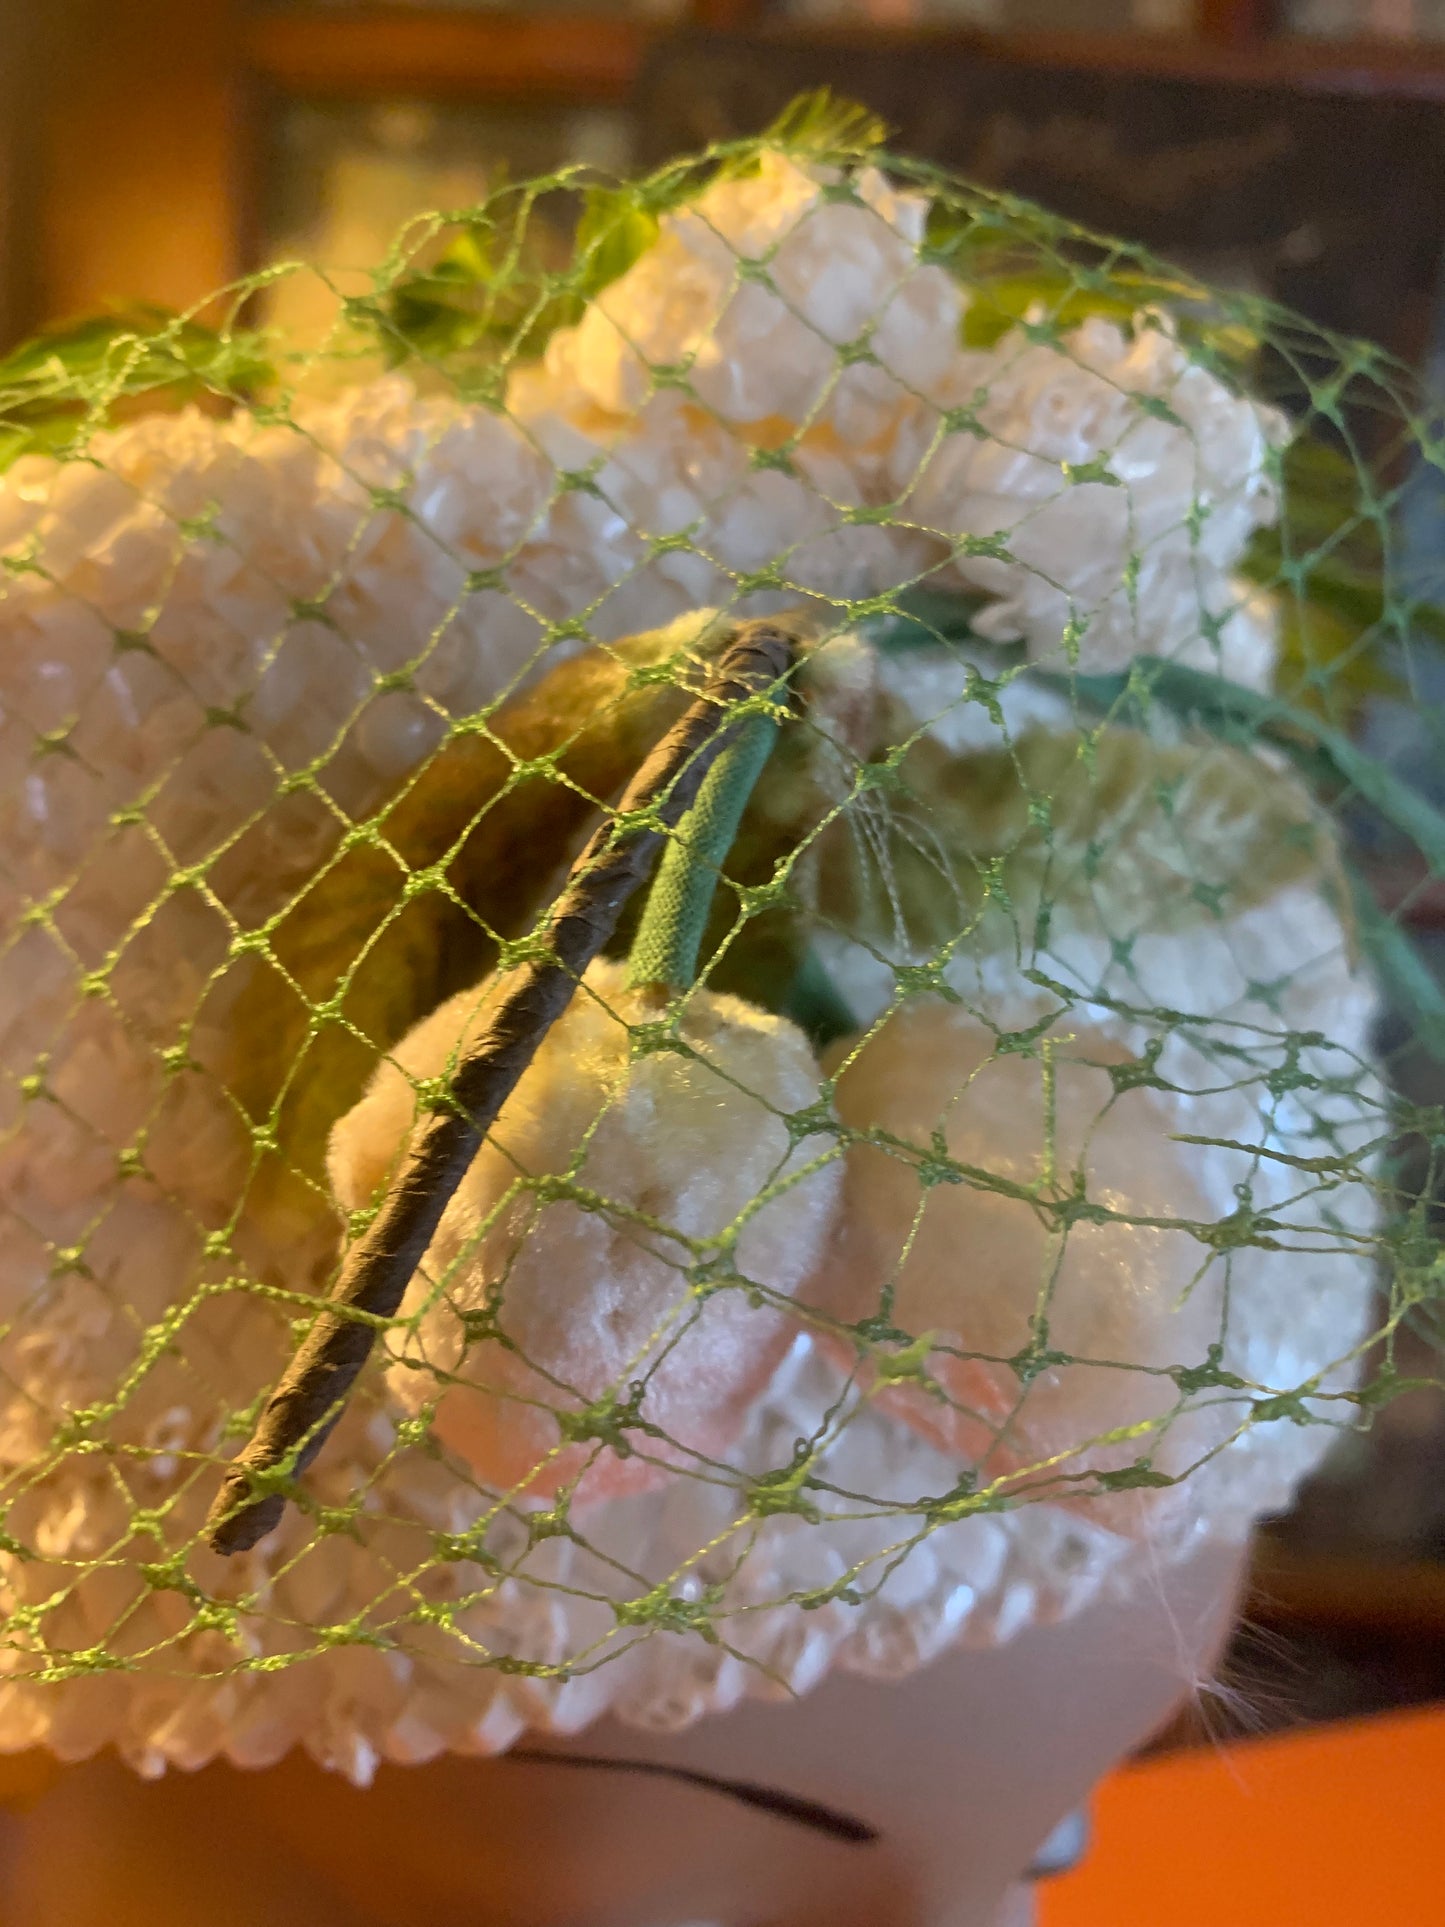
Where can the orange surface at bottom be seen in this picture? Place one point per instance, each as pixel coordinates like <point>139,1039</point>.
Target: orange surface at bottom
<point>1340,1826</point>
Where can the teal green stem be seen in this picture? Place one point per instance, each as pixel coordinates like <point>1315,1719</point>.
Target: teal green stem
<point>668,940</point>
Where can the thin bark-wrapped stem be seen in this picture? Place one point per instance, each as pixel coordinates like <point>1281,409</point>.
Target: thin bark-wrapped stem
<point>377,1269</point>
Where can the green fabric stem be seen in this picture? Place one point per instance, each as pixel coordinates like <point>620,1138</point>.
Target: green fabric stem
<point>923,619</point>
<point>669,937</point>
<point>1248,717</point>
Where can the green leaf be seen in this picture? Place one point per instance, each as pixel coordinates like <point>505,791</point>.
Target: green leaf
<point>615,231</point>
<point>1010,290</point>
<point>499,288</point>
<point>825,124</point>
<point>1329,556</point>
<point>70,379</point>
<point>1050,302</point>
<point>506,293</point>
<point>1327,663</point>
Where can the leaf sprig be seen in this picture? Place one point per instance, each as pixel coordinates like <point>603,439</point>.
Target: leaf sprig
<point>499,288</point>
<point>70,379</point>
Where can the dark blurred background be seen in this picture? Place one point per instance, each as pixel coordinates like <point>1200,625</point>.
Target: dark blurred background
<point>155,149</point>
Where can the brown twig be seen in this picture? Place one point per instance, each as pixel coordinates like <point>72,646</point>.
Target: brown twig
<point>376,1271</point>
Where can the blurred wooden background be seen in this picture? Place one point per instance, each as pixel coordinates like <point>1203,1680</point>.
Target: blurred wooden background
<point>146,142</point>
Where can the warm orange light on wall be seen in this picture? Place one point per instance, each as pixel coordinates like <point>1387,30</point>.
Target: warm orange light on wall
<point>1337,1824</point>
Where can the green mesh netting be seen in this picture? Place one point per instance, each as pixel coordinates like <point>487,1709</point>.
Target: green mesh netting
<point>966,1167</point>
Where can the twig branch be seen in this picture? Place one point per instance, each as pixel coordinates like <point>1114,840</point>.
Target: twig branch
<point>378,1268</point>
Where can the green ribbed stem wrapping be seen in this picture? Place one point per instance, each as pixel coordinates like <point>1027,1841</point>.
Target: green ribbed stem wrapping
<point>665,950</point>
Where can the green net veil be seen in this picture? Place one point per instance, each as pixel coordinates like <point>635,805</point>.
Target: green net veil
<point>956,1168</point>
